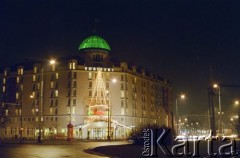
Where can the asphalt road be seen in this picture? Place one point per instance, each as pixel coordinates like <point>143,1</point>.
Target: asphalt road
<point>203,150</point>
<point>119,149</point>
<point>52,150</point>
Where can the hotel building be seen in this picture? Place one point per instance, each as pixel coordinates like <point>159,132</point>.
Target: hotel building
<point>99,98</point>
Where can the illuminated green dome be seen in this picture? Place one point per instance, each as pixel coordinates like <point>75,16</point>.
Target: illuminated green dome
<point>94,42</point>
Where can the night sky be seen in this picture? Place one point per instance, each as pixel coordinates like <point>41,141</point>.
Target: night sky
<point>177,39</point>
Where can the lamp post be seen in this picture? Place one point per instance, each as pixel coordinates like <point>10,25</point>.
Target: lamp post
<point>238,122</point>
<point>114,80</point>
<point>182,97</point>
<point>51,62</point>
<point>216,86</point>
<point>108,134</point>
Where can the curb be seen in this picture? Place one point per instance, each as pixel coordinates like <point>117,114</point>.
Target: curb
<point>93,152</point>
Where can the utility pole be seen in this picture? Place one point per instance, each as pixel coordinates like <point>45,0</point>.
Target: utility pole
<point>211,110</point>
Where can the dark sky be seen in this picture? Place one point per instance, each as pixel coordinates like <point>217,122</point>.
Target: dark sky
<point>178,39</point>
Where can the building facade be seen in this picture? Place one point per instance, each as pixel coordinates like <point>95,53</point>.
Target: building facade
<point>100,98</point>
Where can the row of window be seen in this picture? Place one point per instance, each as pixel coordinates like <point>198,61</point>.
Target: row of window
<point>31,119</point>
<point>15,131</point>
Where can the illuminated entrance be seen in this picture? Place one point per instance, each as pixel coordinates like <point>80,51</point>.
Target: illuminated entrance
<point>98,133</point>
<point>99,123</point>
<point>99,118</point>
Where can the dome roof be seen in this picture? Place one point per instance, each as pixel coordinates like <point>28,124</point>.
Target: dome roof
<point>94,42</point>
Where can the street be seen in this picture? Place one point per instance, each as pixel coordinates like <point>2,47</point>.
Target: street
<point>91,149</point>
<point>52,150</point>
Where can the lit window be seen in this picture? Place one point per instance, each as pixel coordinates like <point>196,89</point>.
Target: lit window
<point>53,67</point>
<point>18,79</point>
<point>18,71</point>
<point>33,111</point>
<point>34,77</point>
<point>4,89</point>
<point>122,94</point>
<point>74,65</point>
<point>17,95</point>
<point>56,93</point>
<point>6,112</point>
<point>90,75</point>
<point>70,65</point>
<point>122,111</point>
<point>57,75</point>
<point>51,110</point>
<point>4,80</point>
<point>21,71</point>
<point>35,69</point>
<point>52,84</point>
<point>73,110</point>
<point>134,80</point>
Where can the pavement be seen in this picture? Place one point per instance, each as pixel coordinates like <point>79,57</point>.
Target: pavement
<point>55,149</point>
<point>89,148</point>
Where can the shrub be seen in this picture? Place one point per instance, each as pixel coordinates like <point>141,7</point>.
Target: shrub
<point>136,137</point>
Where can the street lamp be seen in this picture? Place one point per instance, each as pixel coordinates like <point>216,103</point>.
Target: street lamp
<point>114,80</point>
<point>182,97</point>
<point>51,62</point>
<point>236,102</point>
<point>109,124</point>
<point>238,116</point>
<point>217,87</point>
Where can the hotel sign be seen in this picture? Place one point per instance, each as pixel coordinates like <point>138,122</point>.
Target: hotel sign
<point>99,68</point>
